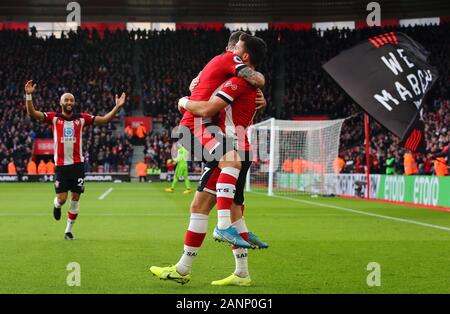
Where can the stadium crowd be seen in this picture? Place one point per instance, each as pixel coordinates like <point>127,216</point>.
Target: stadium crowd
<point>310,91</point>
<point>96,67</point>
<point>93,67</point>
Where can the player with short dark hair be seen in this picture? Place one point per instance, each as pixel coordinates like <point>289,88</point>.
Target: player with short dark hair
<point>236,102</point>
<point>67,127</point>
<point>195,132</point>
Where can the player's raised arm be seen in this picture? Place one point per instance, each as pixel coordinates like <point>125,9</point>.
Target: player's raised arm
<point>255,78</point>
<point>120,101</point>
<point>203,108</point>
<point>29,90</point>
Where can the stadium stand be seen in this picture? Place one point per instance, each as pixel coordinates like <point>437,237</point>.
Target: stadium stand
<point>96,67</point>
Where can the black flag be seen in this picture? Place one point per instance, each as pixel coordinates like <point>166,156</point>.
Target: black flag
<point>388,76</point>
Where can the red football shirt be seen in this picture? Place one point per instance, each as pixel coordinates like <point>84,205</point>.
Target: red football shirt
<point>235,119</point>
<point>215,73</point>
<point>67,136</point>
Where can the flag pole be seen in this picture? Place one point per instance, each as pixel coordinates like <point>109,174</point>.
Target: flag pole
<point>367,128</point>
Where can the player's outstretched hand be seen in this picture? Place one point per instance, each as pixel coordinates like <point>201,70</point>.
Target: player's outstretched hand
<point>29,87</point>
<point>260,101</point>
<point>120,101</point>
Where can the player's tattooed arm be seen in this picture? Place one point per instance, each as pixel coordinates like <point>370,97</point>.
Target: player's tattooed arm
<point>120,101</point>
<point>29,90</point>
<point>203,108</point>
<point>253,77</point>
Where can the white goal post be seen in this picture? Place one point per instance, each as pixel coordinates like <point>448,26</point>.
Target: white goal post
<point>294,157</point>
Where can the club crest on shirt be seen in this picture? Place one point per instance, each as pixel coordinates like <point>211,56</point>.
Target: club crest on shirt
<point>77,122</point>
<point>68,132</point>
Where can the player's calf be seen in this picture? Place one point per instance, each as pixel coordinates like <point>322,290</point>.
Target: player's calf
<point>198,226</point>
<point>58,202</point>
<point>74,209</point>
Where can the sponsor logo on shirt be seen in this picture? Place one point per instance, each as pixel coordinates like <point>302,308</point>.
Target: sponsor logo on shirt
<point>68,136</point>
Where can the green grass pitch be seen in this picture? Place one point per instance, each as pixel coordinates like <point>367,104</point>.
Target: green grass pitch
<point>313,248</point>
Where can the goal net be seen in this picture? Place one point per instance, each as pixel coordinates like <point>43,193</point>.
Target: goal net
<point>294,157</point>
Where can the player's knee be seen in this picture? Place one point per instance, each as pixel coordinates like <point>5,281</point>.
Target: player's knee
<point>199,208</point>
<point>74,207</point>
<point>232,164</point>
<point>62,200</point>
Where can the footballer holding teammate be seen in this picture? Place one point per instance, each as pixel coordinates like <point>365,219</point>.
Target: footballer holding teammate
<point>67,128</point>
<point>212,146</point>
<point>237,106</point>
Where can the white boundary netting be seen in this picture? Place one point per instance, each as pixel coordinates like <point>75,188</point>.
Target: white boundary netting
<point>294,157</point>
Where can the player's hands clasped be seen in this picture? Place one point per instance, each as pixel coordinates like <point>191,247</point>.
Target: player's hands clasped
<point>120,101</point>
<point>181,103</point>
<point>29,87</point>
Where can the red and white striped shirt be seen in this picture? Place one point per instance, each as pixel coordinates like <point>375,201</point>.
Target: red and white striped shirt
<point>235,119</point>
<point>67,136</point>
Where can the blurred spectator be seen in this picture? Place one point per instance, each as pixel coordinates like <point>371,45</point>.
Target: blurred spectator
<point>96,68</point>
<point>339,164</point>
<point>410,164</point>
<point>31,167</point>
<point>42,167</point>
<point>141,132</point>
<point>390,164</point>
<point>50,167</point>
<point>141,170</point>
<point>12,167</point>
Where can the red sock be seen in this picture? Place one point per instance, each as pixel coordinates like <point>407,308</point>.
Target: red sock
<point>72,216</point>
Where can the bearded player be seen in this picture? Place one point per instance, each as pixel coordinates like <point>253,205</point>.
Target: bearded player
<point>67,128</point>
<point>196,137</point>
<point>237,106</point>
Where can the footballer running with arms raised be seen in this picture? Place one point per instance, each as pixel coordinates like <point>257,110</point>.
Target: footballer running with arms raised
<point>67,127</point>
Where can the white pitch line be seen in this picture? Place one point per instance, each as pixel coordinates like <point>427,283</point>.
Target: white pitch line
<point>423,224</point>
<point>105,194</point>
<point>98,214</point>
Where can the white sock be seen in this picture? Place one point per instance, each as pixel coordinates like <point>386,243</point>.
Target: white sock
<point>69,226</point>
<point>241,259</point>
<point>74,209</point>
<point>56,203</point>
<point>198,226</point>
<point>184,265</point>
<point>223,218</point>
<point>240,254</point>
<point>240,225</point>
